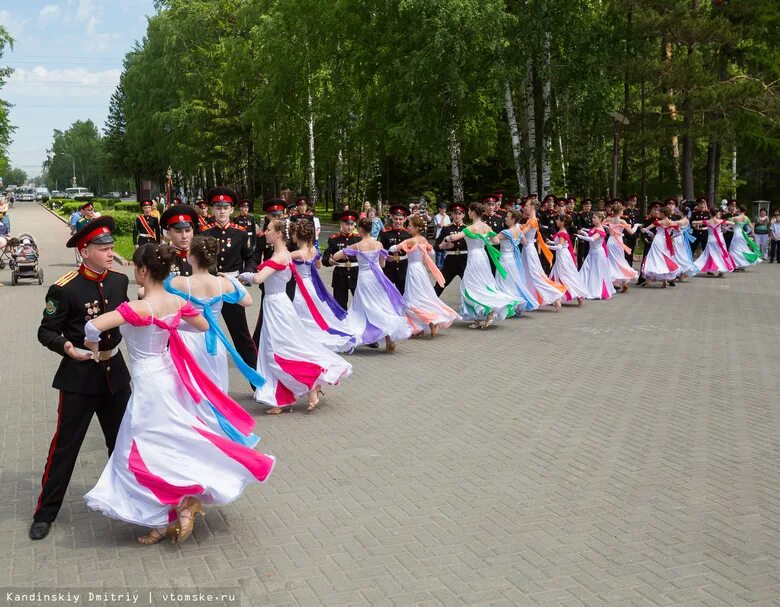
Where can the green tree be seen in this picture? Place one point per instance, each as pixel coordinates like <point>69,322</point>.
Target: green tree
<point>14,176</point>
<point>78,149</point>
<point>6,130</point>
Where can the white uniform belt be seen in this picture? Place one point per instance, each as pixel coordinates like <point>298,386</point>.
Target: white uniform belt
<point>457,252</point>
<point>345,264</point>
<point>102,355</point>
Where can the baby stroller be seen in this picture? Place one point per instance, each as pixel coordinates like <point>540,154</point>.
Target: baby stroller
<point>24,259</point>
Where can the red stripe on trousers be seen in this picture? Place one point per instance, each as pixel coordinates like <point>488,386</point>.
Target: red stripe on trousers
<point>51,452</point>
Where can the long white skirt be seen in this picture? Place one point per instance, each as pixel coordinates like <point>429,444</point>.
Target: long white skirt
<point>683,256</point>
<point>542,288</point>
<point>165,453</point>
<point>291,362</point>
<point>619,268</point>
<point>658,264</point>
<point>741,252</point>
<point>340,339</point>
<point>564,271</point>
<point>712,258</point>
<point>372,315</point>
<point>514,283</point>
<point>422,306</point>
<point>596,274</point>
<point>479,293</point>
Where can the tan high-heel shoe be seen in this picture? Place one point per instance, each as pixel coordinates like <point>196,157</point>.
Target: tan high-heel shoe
<point>389,345</point>
<point>190,506</point>
<point>434,329</point>
<point>314,399</point>
<point>157,535</point>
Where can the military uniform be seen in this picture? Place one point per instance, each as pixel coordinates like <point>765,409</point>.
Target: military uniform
<point>274,209</point>
<point>395,265</point>
<point>234,257</point>
<point>631,217</point>
<point>86,388</point>
<point>456,257</point>
<point>345,273</point>
<point>146,229</point>
<point>584,222</point>
<point>179,216</point>
<point>699,232</point>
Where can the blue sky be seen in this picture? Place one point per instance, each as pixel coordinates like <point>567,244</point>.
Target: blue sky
<point>67,58</point>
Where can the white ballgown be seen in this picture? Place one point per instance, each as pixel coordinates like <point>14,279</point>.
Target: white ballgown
<point>292,362</point>
<point>564,270</point>
<point>616,255</point>
<point>659,263</point>
<point>164,452</point>
<point>479,293</point>
<point>542,288</point>
<point>742,253</point>
<point>514,282</point>
<point>715,257</point>
<point>595,271</point>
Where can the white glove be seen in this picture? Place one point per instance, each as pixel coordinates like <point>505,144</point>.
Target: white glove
<point>246,277</point>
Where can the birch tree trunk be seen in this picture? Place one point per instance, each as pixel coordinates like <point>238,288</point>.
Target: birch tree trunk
<point>339,179</point>
<point>514,133</point>
<point>734,172</point>
<point>312,165</point>
<point>546,136</point>
<point>457,179</point>
<point>530,118</point>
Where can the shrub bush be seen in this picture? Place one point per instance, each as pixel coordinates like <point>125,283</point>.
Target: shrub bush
<point>132,207</point>
<point>68,206</point>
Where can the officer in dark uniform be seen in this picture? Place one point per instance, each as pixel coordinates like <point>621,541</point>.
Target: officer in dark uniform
<point>456,252</point>
<point>731,211</point>
<point>700,213</point>
<point>546,222</point>
<point>235,256</point>
<point>204,219</point>
<point>146,227</point>
<point>345,273</point>
<point>246,220</point>
<point>631,215</point>
<point>179,223</point>
<point>395,265</point>
<point>584,222</point>
<point>85,387</point>
<point>87,214</point>
<point>492,218</point>
<point>274,209</point>
<point>301,211</point>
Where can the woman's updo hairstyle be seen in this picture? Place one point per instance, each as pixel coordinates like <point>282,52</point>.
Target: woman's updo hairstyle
<point>204,250</point>
<point>365,225</point>
<point>418,222</point>
<point>279,225</point>
<point>156,258</point>
<point>516,215</point>
<point>478,208</point>
<point>303,231</point>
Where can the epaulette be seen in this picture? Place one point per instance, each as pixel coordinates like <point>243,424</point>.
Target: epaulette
<point>63,280</point>
<point>388,229</point>
<point>336,235</point>
<point>208,226</point>
<point>237,226</point>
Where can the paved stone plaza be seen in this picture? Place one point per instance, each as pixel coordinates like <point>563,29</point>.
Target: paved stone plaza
<point>624,453</point>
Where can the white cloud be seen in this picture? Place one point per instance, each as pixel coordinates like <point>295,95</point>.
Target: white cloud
<point>71,82</point>
<point>86,10</point>
<point>50,12</point>
<point>12,24</point>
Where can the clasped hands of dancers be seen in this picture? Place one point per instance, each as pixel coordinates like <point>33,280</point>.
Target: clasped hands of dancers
<point>179,442</point>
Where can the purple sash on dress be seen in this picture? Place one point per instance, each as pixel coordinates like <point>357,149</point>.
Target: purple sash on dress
<point>323,294</point>
<point>395,297</point>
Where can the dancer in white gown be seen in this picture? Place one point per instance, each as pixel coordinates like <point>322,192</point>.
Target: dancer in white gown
<point>595,271</point>
<point>743,250</point>
<point>509,241</point>
<point>545,291</point>
<point>423,308</point>
<point>481,299</point>
<point>377,307</point>
<point>659,264</point>
<point>167,462</point>
<point>682,238</point>
<point>715,257</point>
<point>322,316</point>
<point>564,270</point>
<point>622,272</point>
<point>291,361</point>
<point>207,293</point>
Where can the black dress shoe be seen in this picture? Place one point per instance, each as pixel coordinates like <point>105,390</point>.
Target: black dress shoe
<point>374,345</point>
<point>39,530</point>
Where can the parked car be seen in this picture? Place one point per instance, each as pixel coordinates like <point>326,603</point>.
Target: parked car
<point>57,194</point>
<point>78,192</point>
<point>112,196</point>
<point>42,194</point>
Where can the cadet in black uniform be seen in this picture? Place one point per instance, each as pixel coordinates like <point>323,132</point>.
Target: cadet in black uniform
<point>456,252</point>
<point>700,213</point>
<point>395,265</point>
<point>731,211</point>
<point>204,219</point>
<point>234,257</point>
<point>247,221</point>
<point>584,222</point>
<point>179,223</point>
<point>492,217</point>
<point>345,273</point>
<point>146,227</point>
<point>86,387</point>
<point>631,215</point>
<point>301,211</point>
